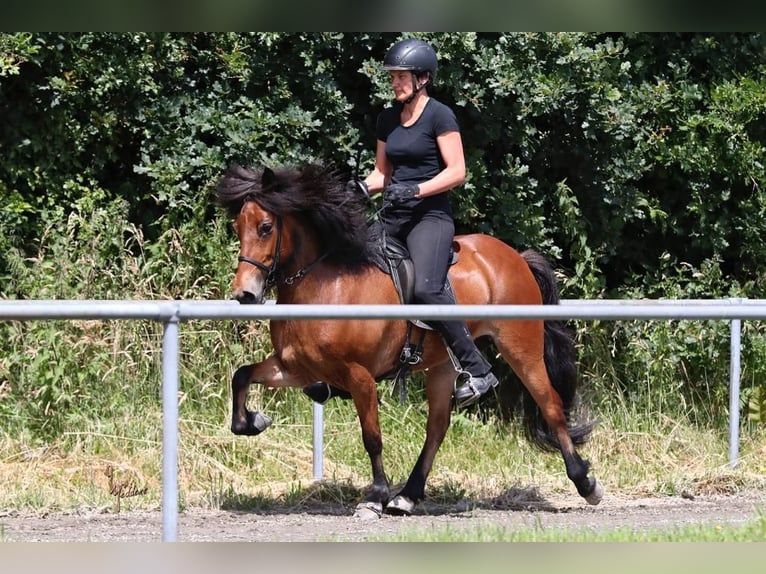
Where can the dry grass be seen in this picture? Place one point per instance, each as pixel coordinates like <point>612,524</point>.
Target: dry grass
<point>222,471</point>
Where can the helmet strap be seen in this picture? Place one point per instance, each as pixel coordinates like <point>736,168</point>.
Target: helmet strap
<point>416,88</point>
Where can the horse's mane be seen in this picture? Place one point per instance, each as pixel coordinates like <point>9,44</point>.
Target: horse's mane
<point>315,194</point>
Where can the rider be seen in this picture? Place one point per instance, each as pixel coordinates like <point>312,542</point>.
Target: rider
<point>419,158</point>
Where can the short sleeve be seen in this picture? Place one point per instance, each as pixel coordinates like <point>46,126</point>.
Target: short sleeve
<point>445,120</point>
<point>388,119</point>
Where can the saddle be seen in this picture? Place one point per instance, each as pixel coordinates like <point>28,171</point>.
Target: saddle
<point>394,260</point>
<point>402,272</point>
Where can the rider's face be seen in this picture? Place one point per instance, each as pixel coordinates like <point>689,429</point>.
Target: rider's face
<point>402,83</point>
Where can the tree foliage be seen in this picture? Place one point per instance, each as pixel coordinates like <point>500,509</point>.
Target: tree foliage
<point>604,151</point>
<point>635,162</point>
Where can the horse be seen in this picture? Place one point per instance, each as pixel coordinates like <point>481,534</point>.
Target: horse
<point>302,233</point>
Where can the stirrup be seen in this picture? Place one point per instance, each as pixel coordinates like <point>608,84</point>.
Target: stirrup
<point>474,388</point>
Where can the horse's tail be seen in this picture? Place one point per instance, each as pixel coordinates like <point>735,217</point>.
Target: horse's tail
<point>560,362</point>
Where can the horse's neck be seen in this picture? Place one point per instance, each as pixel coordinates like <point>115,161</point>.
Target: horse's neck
<point>298,280</point>
<point>304,259</point>
<point>305,290</point>
<point>327,284</point>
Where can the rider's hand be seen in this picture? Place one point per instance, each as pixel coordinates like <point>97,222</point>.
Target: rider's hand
<point>356,186</point>
<point>401,192</point>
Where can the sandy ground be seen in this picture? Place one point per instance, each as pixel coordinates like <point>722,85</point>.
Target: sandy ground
<point>325,522</point>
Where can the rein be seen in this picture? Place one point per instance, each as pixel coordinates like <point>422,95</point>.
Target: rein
<point>298,275</point>
<point>271,270</point>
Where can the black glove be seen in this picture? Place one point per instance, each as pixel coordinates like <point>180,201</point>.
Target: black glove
<point>356,186</point>
<point>401,192</point>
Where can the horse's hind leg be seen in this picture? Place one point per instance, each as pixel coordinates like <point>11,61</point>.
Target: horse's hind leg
<point>439,386</point>
<point>521,345</point>
<point>365,398</point>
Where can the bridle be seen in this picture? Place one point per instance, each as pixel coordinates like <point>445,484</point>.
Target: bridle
<point>272,271</point>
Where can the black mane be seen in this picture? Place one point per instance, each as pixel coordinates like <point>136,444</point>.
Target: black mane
<point>316,195</point>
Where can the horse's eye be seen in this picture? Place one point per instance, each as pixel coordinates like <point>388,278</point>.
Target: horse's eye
<point>265,228</point>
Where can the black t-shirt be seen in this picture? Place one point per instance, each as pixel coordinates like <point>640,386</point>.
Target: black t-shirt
<point>413,151</point>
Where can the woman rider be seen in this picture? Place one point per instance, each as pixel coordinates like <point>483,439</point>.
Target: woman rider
<point>418,159</point>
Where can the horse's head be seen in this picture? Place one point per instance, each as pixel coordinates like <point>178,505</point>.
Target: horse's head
<point>322,223</point>
<point>242,191</point>
<point>260,239</point>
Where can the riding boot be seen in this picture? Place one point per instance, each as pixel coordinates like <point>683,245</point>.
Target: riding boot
<point>477,372</point>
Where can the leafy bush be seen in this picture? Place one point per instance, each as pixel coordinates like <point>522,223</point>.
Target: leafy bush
<point>678,369</point>
<point>635,162</point>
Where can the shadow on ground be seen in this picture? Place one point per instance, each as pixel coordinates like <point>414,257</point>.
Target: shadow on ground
<point>339,498</point>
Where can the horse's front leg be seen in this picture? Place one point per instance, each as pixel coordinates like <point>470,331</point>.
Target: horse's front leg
<point>270,373</point>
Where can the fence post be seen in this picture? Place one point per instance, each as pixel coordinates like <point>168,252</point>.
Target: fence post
<point>734,375</point>
<point>170,428</point>
<point>318,441</point>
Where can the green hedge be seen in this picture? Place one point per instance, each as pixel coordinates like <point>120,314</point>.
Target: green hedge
<point>635,162</point>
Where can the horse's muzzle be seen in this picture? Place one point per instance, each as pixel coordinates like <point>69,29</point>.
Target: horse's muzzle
<point>247,298</point>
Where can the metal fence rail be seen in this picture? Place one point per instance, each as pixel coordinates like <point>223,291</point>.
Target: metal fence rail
<point>171,313</point>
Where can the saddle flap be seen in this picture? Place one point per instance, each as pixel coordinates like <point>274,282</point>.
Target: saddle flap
<point>402,271</point>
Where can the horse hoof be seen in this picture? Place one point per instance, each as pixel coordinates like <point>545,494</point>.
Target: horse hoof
<point>400,506</point>
<point>598,493</point>
<point>368,511</point>
<point>257,423</point>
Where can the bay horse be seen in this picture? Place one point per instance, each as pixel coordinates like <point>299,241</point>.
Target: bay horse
<point>302,233</point>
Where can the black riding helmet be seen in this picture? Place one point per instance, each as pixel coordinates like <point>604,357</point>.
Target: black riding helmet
<point>413,55</point>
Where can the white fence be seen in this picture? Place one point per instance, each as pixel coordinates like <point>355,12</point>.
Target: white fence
<point>170,313</point>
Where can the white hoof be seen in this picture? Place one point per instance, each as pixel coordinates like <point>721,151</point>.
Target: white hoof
<point>597,494</point>
<point>400,506</point>
<point>368,511</point>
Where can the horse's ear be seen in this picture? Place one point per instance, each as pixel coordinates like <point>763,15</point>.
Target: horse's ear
<point>268,177</point>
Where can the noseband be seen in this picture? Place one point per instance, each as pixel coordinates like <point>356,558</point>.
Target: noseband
<point>271,271</point>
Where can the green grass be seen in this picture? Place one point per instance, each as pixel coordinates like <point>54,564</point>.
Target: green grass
<point>79,396</point>
<point>61,429</point>
<point>219,470</point>
<point>753,531</point>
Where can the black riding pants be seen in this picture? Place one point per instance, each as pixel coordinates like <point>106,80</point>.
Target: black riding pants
<point>429,240</point>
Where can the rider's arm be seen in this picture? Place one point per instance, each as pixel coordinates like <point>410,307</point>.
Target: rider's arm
<point>451,148</point>
<point>381,174</point>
